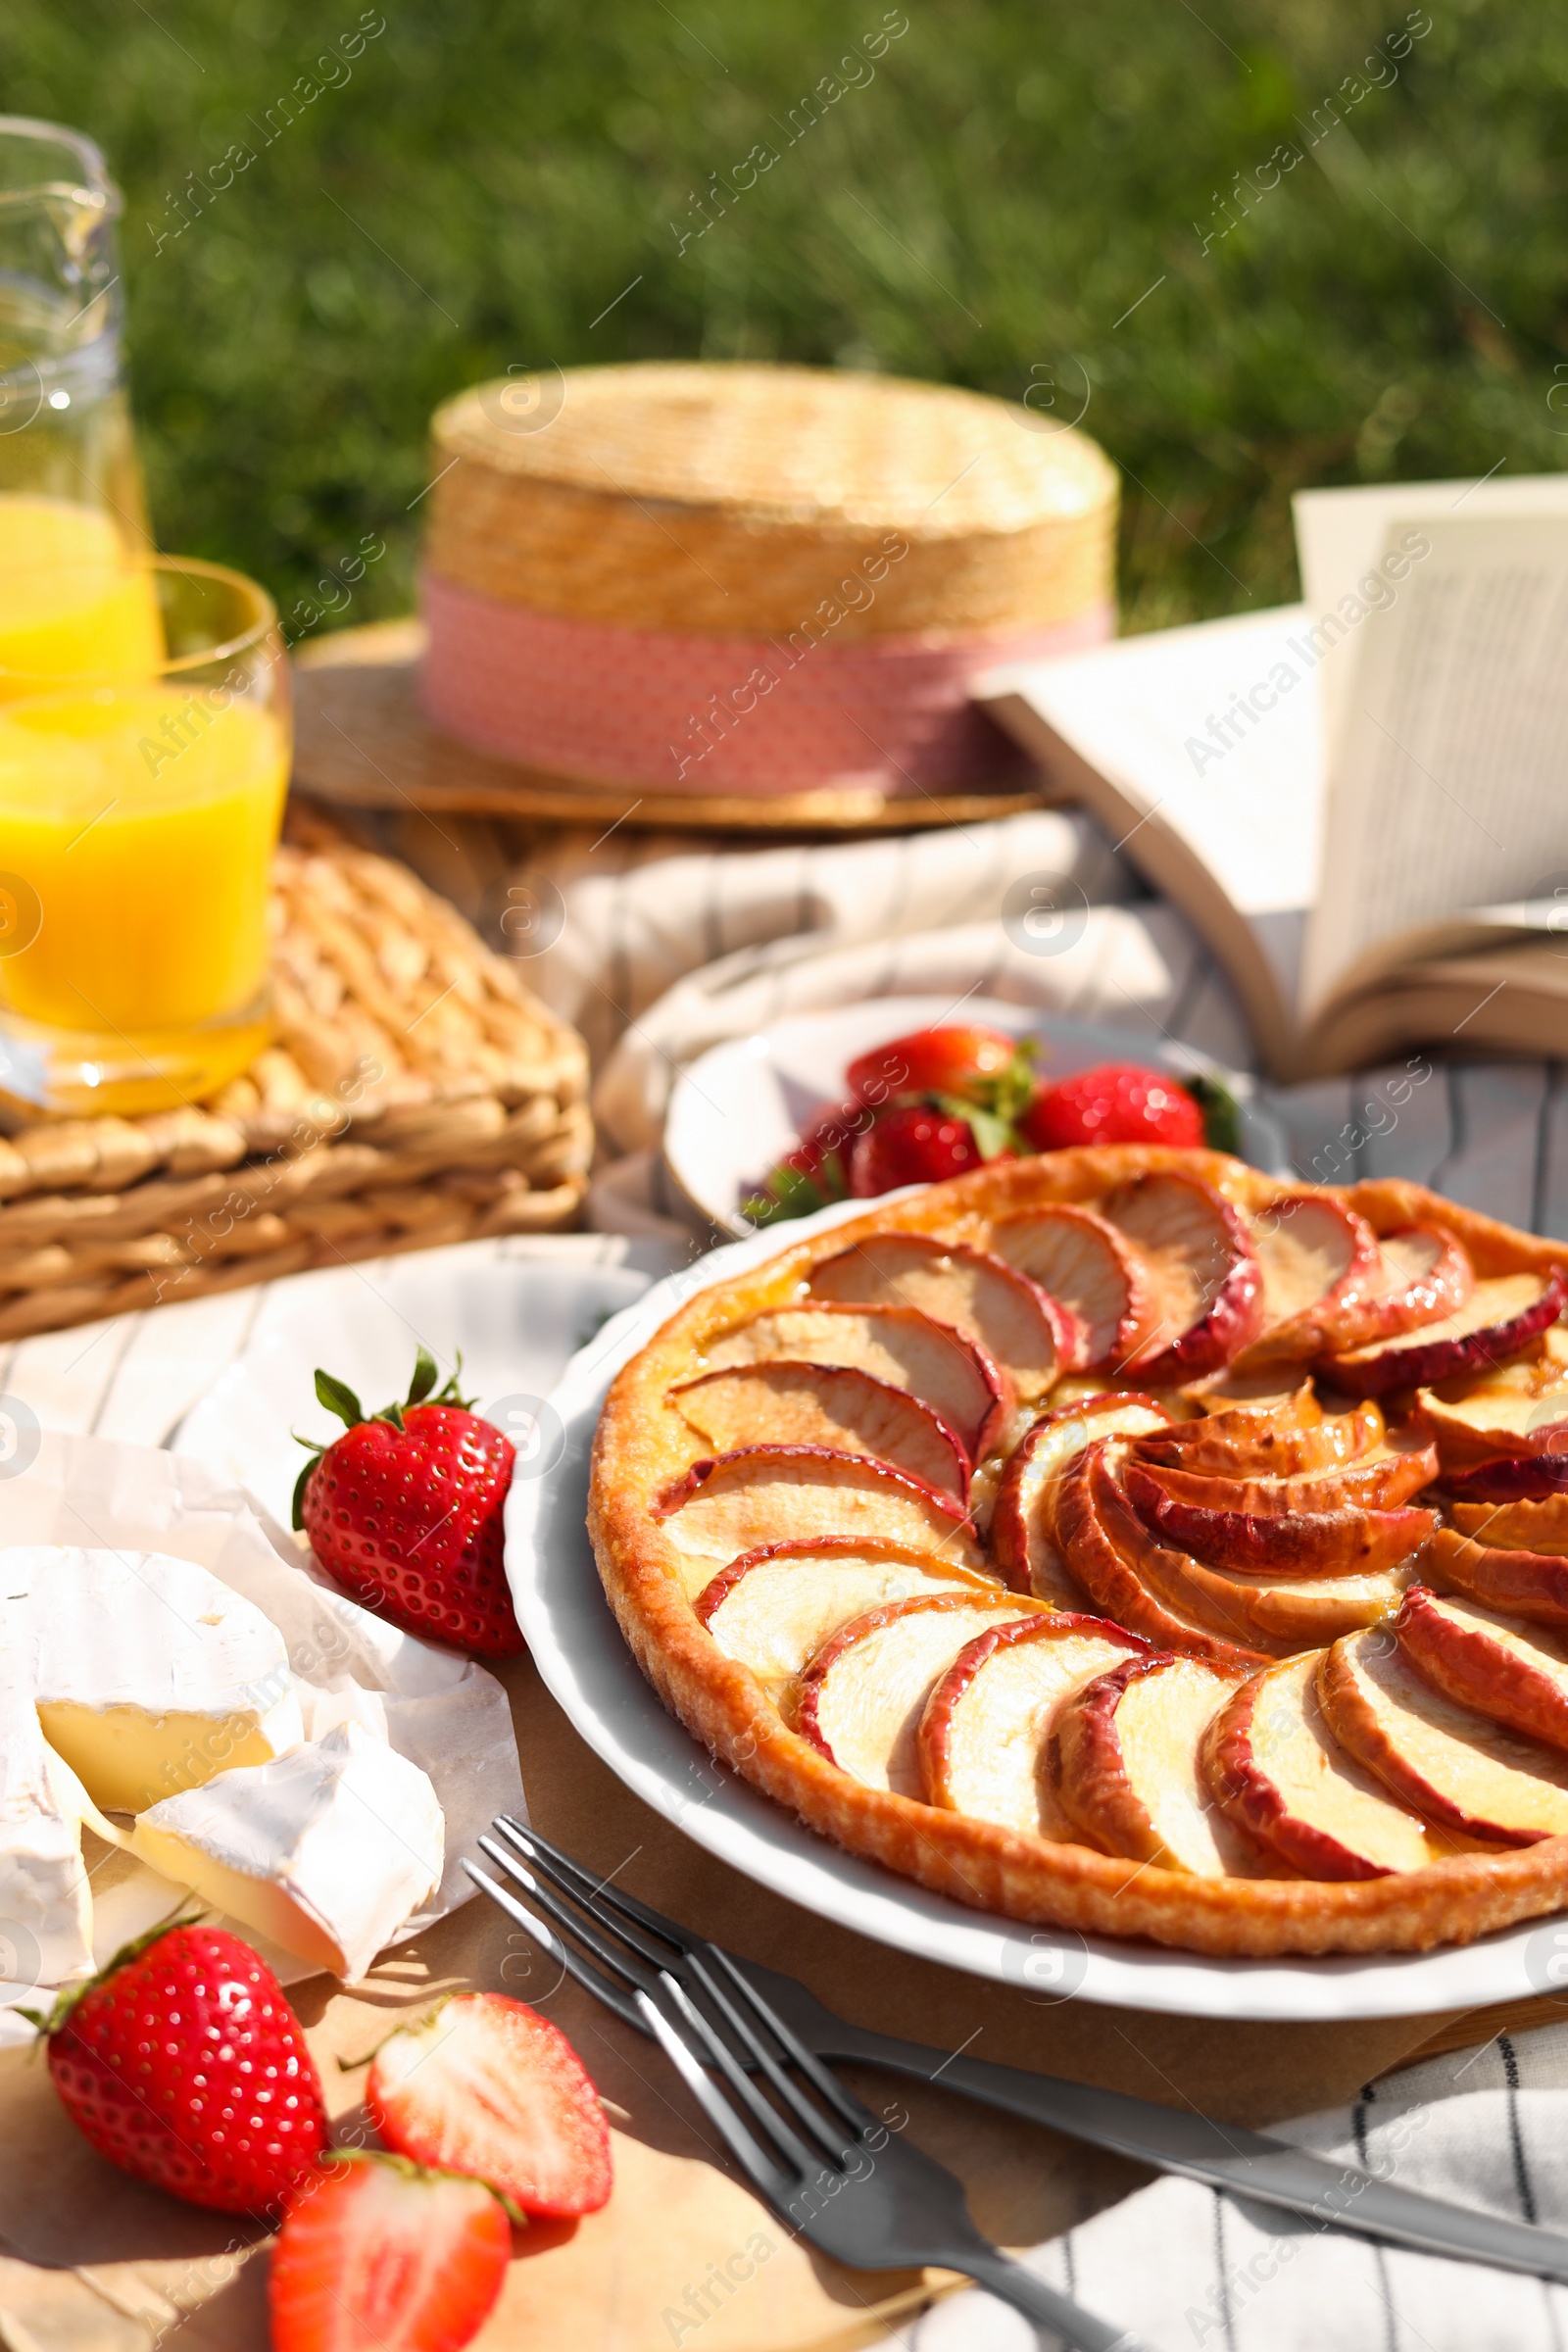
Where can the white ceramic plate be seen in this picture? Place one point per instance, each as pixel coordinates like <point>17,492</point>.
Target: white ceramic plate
<point>740,1107</point>
<point>580,1652</point>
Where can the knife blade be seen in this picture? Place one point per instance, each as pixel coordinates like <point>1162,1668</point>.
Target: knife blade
<point>1199,2147</point>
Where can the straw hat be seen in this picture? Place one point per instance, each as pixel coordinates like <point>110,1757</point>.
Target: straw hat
<point>731,596</point>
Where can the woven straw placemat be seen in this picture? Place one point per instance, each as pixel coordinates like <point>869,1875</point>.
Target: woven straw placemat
<point>414,1094</point>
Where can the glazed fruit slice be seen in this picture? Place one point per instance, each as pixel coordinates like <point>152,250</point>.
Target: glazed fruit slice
<point>987,1724</point>
<point>1296,1441</point>
<point>774,1608</point>
<point>1025,1332</point>
<point>949,1373</point>
<point>1423,1274</point>
<point>1379,1482</point>
<point>861,1697</point>
<point>1463,1772</point>
<point>1112,1555</point>
<point>1347,1542</point>
<point>1081,1260</point>
<point>1532,1584</point>
<point>1498,1318</point>
<point>1277,1771</point>
<point>1516,1676</point>
<point>1529,1526</point>
<point>1125,1755</point>
<point>1273,1614</point>
<point>824,1404</point>
<point>1023,1541</point>
<point>1511,1478</point>
<point>786,1494</point>
<point>1529,1419</point>
<point>1318,1259</point>
<point>1206,1278</point>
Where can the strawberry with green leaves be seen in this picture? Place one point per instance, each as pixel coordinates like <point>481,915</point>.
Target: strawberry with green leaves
<point>183,2064</point>
<point>404,1511</point>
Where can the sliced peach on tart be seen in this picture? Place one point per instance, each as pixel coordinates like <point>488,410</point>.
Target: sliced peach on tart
<point>1516,1674</point>
<point>1023,1540</point>
<point>945,1370</point>
<point>1532,1584</point>
<point>1319,1260</point>
<point>1080,1259</point>
<point>1205,1275</point>
<point>861,1697</point>
<point>787,1493</point>
<point>1497,1318</point>
<point>1462,1771</point>
<point>784,1404</point>
<point>1346,1542</point>
<point>985,1731</point>
<point>1126,1766</point>
<point>1112,1555</point>
<point>1027,1333</point>
<point>1277,1771</point>
<point>774,1608</point>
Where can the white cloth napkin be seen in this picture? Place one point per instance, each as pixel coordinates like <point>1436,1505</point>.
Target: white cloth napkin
<point>1186,2270</point>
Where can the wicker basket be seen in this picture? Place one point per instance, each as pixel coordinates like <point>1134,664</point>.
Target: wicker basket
<point>416,1095</point>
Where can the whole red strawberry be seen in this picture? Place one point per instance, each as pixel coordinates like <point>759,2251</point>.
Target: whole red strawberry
<point>404,1512</point>
<point>912,1145</point>
<point>1115,1103</point>
<point>184,2065</point>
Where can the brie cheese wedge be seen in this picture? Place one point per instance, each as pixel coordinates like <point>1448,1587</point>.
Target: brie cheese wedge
<point>326,1850</point>
<point>152,1676</point>
<point>46,1903</point>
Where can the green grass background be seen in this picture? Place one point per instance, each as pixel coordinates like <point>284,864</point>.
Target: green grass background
<point>984,212</point>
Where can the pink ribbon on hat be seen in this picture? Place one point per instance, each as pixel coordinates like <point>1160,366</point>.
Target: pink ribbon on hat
<point>725,714</point>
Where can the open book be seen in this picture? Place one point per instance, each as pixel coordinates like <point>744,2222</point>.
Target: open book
<point>1361,801</point>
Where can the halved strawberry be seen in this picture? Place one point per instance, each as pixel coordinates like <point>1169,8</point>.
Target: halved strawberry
<point>378,2255</point>
<point>486,2085</point>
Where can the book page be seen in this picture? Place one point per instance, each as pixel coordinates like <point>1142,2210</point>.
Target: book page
<point>1340,535</point>
<point>1213,733</point>
<point>1446,785</point>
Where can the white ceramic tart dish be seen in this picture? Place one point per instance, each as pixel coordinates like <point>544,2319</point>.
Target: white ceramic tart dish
<point>1126,1541</point>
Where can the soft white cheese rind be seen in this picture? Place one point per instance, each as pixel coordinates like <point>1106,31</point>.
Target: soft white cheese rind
<point>326,1850</point>
<point>152,1674</point>
<point>45,1901</point>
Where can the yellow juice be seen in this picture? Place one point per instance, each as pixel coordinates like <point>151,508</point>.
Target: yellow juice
<point>139,821</point>
<point>73,601</point>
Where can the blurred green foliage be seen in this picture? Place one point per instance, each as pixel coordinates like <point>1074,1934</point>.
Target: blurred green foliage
<point>488,176</point>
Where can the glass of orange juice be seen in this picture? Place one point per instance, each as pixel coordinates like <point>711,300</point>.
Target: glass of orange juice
<point>144,755</point>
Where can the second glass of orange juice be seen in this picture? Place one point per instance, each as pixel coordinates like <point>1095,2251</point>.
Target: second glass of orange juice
<point>144,755</point>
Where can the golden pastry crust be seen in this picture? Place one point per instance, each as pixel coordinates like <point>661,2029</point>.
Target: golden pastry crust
<point>642,1445</point>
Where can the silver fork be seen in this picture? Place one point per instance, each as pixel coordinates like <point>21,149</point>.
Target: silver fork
<point>832,2171</point>
<point>1181,2140</point>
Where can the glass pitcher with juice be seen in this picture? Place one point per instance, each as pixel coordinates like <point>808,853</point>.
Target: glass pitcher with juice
<point>144,740</point>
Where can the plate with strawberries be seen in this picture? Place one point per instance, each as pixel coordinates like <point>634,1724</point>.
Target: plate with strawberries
<point>857,1103</point>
